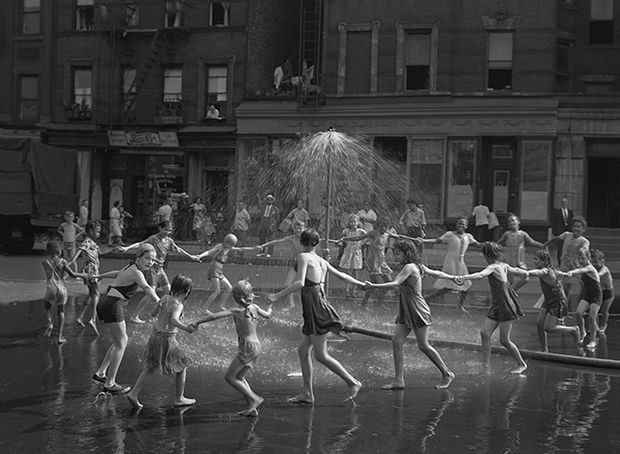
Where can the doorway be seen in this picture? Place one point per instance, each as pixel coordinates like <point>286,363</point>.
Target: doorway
<point>603,201</point>
<point>498,174</point>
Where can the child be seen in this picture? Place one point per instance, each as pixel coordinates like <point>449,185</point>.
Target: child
<point>207,231</point>
<point>513,243</point>
<point>413,313</point>
<point>505,307</point>
<point>163,352</point>
<point>555,305</point>
<point>458,242</point>
<point>292,241</point>
<point>378,269</point>
<point>220,253</point>
<point>319,316</point>
<point>55,289</point>
<point>249,345</point>
<point>607,286</point>
<point>90,268</point>
<point>351,260</point>
<point>591,296</point>
<point>69,232</point>
<point>241,224</point>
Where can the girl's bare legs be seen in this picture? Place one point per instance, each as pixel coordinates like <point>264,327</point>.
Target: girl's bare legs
<point>552,326</point>
<point>461,301</point>
<point>91,300</point>
<point>582,307</point>
<point>112,359</point>
<point>235,376</point>
<point>593,319</point>
<point>487,330</point>
<point>425,347</point>
<point>605,313</point>
<point>355,273</point>
<point>504,338</point>
<point>50,324</point>
<point>290,278</point>
<point>61,322</point>
<point>540,329</point>
<point>304,350</point>
<point>181,400</point>
<point>398,341</point>
<point>132,396</point>
<point>145,302</point>
<point>221,287</point>
<point>319,342</point>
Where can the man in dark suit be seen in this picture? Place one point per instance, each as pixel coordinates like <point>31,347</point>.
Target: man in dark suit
<point>561,221</point>
<point>268,224</point>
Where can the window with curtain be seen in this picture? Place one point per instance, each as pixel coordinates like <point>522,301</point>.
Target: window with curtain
<point>84,15</point>
<point>219,14</point>
<point>601,22</point>
<point>217,87</point>
<point>499,75</point>
<point>83,87</point>
<point>417,60</point>
<point>29,98</point>
<point>173,85</point>
<point>31,17</point>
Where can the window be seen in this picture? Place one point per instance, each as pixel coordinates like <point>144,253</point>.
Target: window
<point>131,13</point>
<point>562,66</point>
<point>84,14</point>
<point>31,16</point>
<point>426,174</point>
<point>29,98</point>
<point>83,88</point>
<point>601,22</point>
<point>173,92</point>
<point>217,86</point>
<point>417,60</point>
<point>461,165</point>
<point>220,13</point>
<point>129,87</point>
<point>536,179</point>
<point>174,14</point>
<point>500,61</point>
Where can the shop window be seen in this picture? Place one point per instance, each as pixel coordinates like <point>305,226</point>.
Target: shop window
<point>219,14</point>
<point>500,61</point>
<point>173,17</point>
<point>536,179</point>
<point>84,15</point>
<point>217,88</point>
<point>461,165</point>
<point>426,174</point>
<point>417,60</point>
<point>83,87</point>
<point>601,22</point>
<point>29,99</point>
<point>31,16</point>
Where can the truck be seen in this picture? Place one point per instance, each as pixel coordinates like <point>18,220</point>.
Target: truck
<point>38,183</point>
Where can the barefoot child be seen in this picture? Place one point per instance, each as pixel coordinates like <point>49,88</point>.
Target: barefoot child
<point>607,286</point>
<point>249,345</point>
<point>351,260</point>
<point>513,243</point>
<point>163,352</point>
<point>505,307</point>
<point>319,316</point>
<point>591,296</point>
<point>555,304</point>
<point>55,289</point>
<point>220,253</point>
<point>413,313</point>
<point>69,231</point>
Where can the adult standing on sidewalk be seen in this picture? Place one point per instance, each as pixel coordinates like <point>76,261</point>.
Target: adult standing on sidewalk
<point>480,214</point>
<point>561,221</point>
<point>268,224</point>
<point>83,214</point>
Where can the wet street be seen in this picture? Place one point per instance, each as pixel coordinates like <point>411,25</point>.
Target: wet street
<point>50,404</point>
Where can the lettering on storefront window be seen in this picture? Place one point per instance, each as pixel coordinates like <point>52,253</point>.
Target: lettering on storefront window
<point>143,139</point>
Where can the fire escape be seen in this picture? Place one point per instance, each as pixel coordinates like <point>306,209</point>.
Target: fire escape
<point>310,47</point>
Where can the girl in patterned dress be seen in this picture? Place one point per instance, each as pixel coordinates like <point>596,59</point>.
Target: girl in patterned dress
<point>351,260</point>
<point>513,243</point>
<point>555,303</point>
<point>413,313</point>
<point>505,307</point>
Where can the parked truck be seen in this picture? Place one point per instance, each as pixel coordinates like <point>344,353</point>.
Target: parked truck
<point>38,183</point>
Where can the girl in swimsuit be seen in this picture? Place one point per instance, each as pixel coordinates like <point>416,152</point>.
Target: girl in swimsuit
<point>607,286</point>
<point>505,307</point>
<point>591,296</point>
<point>319,316</point>
<point>111,312</point>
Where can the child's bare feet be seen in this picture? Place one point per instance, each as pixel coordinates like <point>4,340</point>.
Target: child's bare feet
<point>93,326</point>
<point>519,369</point>
<point>582,337</point>
<point>302,398</point>
<point>591,345</point>
<point>79,321</point>
<point>576,336</point>
<point>394,385</point>
<point>353,390</point>
<point>445,381</point>
<point>252,410</point>
<point>133,400</point>
<point>184,402</point>
<point>47,332</point>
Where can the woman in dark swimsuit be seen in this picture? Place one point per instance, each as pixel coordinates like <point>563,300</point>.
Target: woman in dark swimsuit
<point>111,311</point>
<point>319,316</point>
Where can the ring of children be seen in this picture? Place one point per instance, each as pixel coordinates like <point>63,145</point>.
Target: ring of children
<point>563,402</point>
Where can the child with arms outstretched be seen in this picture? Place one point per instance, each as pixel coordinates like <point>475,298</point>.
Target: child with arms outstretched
<point>413,312</point>
<point>505,307</point>
<point>351,260</point>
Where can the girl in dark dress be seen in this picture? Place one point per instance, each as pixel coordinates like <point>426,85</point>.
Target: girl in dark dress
<point>555,304</point>
<point>505,307</point>
<point>319,316</point>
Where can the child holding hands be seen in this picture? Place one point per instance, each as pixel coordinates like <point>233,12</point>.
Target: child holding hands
<point>607,286</point>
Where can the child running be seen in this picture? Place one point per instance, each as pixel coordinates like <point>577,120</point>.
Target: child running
<point>351,260</point>
<point>220,253</point>
<point>555,303</point>
<point>458,242</point>
<point>249,345</point>
<point>591,296</point>
<point>513,243</point>
<point>55,268</point>
<point>413,313</point>
<point>90,268</point>
<point>607,287</point>
<point>505,307</point>
<point>292,241</point>
<point>319,316</point>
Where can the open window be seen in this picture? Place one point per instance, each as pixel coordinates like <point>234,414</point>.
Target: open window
<point>417,59</point>
<point>601,22</point>
<point>500,61</point>
<point>31,16</point>
<point>84,15</point>
<point>219,14</point>
<point>217,92</point>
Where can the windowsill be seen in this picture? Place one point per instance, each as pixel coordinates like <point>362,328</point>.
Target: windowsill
<point>28,37</point>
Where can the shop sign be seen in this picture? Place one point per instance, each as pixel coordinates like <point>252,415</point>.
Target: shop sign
<point>143,139</point>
